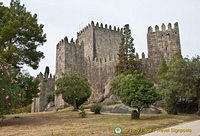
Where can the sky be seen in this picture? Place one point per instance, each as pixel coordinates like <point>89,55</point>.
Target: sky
<point>67,17</point>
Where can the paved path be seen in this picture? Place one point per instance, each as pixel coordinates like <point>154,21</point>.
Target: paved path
<point>188,128</point>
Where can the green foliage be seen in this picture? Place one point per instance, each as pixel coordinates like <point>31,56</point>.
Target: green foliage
<point>163,69</point>
<point>82,111</point>
<point>30,85</point>
<point>50,98</point>
<point>181,82</point>
<point>96,108</point>
<point>75,89</point>
<point>135,90</point>
<point>26,109</point>
<point>46,73</point>
<point>20,36</point>
<point>45,80</point>
<point>171,96</point>
<point>11,93</point>
<point>127,58</point>
<point>135,114</point>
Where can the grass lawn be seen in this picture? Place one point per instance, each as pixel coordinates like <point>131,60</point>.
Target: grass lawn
<point>68,123</point>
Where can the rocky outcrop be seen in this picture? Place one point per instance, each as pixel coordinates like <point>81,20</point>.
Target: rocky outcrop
<point>123,109</point>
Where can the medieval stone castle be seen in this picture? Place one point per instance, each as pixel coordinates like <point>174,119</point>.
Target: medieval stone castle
<point>94,54</point>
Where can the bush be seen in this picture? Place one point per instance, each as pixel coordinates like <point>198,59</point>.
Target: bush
<point>26,109</point>
<point>11,93</point>
<point>135,115</point>
<point>50,98</point>
<point>96,108</point>
<point>171,109</point>
<point>82,112</point>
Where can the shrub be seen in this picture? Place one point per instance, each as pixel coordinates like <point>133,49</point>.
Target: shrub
<point>82,112</point>
<point>50,98</point>
<point>96,108</point>
<point>135,114</point>
<point>11,93</point>
<point>26,109</point>
<point>171,109</point>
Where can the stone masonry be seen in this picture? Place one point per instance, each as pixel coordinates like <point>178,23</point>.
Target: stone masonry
<point>94,54</point>
<point>46,87</point>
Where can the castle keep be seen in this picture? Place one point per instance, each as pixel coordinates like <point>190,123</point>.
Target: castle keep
<point>94,54</point>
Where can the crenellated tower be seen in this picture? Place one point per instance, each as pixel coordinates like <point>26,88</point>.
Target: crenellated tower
<point>69,59</point>
<point>99,40</point>
<point>162,44</point>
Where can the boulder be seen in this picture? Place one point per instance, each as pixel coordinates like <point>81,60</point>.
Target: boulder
<point>113,99</point>
<point>50,106</point>
<point>151,110</point>
<point>123,109</point>
<point>106,109</point>
<point>160,103</point>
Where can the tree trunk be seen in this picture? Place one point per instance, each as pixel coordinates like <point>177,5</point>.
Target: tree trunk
<point>139,110</point>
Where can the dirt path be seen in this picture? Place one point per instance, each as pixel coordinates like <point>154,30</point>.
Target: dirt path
<point>188,129</point>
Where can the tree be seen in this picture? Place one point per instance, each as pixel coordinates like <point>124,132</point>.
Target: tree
<point>126,56</point>
<point>75,89</point>
<point>182,81</point>
<point>194,68</point>
<point>46,73</point>
<point>31,86</point>
<point>11,94</point>
<point>135,90</point>
<point>20,36</point>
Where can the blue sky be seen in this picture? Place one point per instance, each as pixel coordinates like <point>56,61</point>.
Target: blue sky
<point>66,17</point>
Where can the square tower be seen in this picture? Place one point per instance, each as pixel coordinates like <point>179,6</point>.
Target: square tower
<point>162,45</point>
<point>100,42</point>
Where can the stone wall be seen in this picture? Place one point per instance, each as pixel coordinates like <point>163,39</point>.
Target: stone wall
<point>87,37</point>
<point>107,40</point>
<point>99,72</point>
<point>47,86</point>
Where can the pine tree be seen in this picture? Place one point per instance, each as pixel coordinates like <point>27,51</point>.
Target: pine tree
<point>20,36</point>
<point>126,56</point>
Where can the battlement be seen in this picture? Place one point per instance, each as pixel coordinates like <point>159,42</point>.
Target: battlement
<point>111,58</point>
<point>163,28</point>
<point>143,56</point>
<point>41,76</point>
<point>101,26</point>
<point>65,42</point>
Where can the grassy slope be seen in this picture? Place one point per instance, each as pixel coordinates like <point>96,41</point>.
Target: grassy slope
<point>67,123</point>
